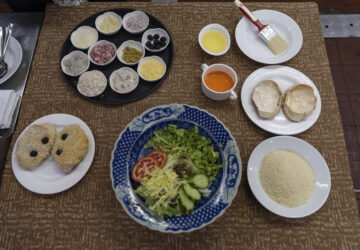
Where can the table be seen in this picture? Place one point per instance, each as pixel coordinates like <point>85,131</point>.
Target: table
<point>26,29</point>
<point>89,216</point>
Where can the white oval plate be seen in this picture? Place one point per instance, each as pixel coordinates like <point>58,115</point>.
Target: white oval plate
<point>285,77</point>
<point>249,42</point>
<point>13,57</point>
<point>46,178</point>
<point>311,155</point>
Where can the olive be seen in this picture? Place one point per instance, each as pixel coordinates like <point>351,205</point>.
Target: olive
<point>151,46</point>
<point>58,152</point>
<point>163,39</point>
<point>45,140</point>
<point>158,46</point>
<point>156,36</point>
<point>156,42</point>
<point>150,37</point>
<point>148,44</point>
<point>64,136</point>
<point>162,44</point>
<point>33,153</point>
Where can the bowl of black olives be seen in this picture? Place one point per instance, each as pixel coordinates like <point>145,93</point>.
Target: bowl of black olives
<point>155,40</point>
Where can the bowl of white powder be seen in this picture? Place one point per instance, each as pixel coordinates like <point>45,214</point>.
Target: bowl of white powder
<point>124,80</point>
<point>92,83</point>
<point>75,63</point>
<point>135,22</point>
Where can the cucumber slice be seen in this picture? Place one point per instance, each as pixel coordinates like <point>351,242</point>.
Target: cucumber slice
<point>185,201</point>
<point>200,181</point>
<point>191,192</point>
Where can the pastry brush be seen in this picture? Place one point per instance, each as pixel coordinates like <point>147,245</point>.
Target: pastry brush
<point>272,39</point>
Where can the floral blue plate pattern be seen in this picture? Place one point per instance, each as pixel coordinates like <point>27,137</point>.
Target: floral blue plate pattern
<point>130,147</point>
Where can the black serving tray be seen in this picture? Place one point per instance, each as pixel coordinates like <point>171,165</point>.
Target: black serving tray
<point>109,96</point>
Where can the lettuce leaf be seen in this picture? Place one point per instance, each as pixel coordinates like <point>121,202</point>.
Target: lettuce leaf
<point>191,144</point>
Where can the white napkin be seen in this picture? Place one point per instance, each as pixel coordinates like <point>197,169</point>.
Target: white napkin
<point>8,103</point>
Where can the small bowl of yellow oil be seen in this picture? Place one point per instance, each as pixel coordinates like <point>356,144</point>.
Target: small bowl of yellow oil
<point>214,39</point>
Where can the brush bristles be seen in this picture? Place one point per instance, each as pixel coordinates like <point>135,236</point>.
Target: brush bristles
<point>277,44</point>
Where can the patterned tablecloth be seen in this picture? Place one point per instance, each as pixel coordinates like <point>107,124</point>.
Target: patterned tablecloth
<point>88,216</point>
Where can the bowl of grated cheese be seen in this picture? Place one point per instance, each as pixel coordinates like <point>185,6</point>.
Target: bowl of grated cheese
<point>108,23</point>
<point>151,68</point>
<point>288,176</point>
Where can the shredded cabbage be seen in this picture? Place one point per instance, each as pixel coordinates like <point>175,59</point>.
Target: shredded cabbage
<point>161,190</point>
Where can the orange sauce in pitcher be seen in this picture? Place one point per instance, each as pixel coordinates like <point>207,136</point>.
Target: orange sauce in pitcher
<point>218,81</point>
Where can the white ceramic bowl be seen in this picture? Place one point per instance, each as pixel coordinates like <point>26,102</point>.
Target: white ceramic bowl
<point>97,43</point>
<point>126,92</point>
<point>128,15</point>
<point>98,94</point>
<point>77,30</point>
<point>71,54</point>
<point>147,58</point>
<point>100,18</point>
<point>133,44</point>
<point>152,32</point>
<point>218,27</point>
<point>216,95</point>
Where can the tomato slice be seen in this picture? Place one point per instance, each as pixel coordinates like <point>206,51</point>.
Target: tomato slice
<point>142,167</point>
<point>159,156</point>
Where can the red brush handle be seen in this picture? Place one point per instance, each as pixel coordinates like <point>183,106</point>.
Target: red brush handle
<point>249,15</point>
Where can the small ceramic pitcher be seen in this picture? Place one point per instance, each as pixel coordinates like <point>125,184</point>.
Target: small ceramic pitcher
<point>218,96</point>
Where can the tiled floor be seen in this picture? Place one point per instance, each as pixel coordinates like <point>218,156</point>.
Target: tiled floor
<point>344,58</point>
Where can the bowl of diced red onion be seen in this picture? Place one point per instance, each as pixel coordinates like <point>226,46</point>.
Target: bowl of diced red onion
<point>102,53</point>
<point>135,22</point>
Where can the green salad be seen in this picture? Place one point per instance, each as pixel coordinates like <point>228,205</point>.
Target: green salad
<point>178,172</point>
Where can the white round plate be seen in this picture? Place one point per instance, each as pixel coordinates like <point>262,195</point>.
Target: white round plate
<point>285,77</point>
<point>306,151</point>
<point>13,57</point>
<point>46,178</point>
<point>250,43</point>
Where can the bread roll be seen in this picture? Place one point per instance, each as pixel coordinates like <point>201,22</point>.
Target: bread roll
<point>267,98</point>
<point>300,101</point>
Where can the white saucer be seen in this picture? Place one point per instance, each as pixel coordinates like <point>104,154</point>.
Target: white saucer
<point>311,155</point>
<point>13,57</point>
<point>285,77</point>
<point>46,178</point>
<point>248,40</point>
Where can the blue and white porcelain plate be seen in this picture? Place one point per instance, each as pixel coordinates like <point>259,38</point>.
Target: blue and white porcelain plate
<point>130,147</point>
